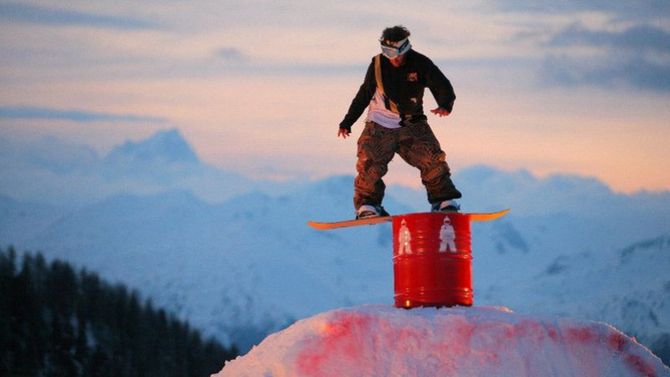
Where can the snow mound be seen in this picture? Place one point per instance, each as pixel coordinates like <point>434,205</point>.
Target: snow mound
<point>377,340</point>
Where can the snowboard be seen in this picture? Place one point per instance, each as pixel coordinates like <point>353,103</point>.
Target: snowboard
<point>320,225</point>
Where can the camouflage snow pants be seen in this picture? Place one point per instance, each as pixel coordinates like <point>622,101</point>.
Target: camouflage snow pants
<point>417,145</point>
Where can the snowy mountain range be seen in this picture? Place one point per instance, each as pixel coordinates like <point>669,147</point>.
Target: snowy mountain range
<point>234,256</point>
<point>63,174</point>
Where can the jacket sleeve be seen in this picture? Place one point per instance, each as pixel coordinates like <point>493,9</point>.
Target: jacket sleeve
<point>362,99</point>
<point>440,86</point>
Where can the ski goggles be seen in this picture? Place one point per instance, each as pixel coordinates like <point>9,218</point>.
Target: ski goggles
<point>394,49</point>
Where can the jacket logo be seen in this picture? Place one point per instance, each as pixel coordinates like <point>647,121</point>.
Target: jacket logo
<point>413,77</point>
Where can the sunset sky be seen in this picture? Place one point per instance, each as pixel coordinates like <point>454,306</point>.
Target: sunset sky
<point>259,87</point>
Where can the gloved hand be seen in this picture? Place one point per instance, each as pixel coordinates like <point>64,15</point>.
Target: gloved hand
<point>343,132</point>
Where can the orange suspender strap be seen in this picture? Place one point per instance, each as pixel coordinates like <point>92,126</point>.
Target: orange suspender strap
<point>378,76</point>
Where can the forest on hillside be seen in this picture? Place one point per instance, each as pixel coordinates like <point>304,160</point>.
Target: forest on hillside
<point>57,321</point>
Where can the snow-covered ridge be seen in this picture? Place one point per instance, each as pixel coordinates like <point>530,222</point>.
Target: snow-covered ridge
<point>378,340</point>
<point>61,173</point>
<point>166,146</point>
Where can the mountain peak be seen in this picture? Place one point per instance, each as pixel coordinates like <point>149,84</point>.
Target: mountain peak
<point>168,146</point>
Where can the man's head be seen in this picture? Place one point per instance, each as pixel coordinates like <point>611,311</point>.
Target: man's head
<point>395,33</point>
<point>395,41</point>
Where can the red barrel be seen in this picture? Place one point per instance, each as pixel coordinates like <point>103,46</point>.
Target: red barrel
<point>432,260</point>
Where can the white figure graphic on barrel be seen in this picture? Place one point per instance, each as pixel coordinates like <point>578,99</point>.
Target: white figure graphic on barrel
<point>404,239</point>
<point>447,236</point>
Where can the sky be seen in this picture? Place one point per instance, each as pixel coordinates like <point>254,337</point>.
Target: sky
<point>259,87</point>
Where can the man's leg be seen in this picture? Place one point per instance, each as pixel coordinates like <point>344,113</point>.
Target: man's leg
<point>376,147</point>
<point>420,148</point>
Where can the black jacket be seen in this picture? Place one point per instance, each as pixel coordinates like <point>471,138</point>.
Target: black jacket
<point>405,86</point>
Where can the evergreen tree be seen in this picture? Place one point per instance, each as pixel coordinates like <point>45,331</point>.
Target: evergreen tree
<point>7,276</point>
<point>55,322</point>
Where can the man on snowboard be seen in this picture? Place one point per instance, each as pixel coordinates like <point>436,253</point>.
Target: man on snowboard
<point>395,123</point>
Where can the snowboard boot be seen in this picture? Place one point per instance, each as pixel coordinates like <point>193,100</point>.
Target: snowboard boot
<point>366,211</point>
<point>446,206</point>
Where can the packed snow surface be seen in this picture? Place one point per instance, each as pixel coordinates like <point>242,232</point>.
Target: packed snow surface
<point>378,340</point>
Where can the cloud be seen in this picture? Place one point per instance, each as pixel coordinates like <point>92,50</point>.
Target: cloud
<point>637,56</point>
<point>27,13</point>
<point>614,44</point>
<point>231,54</point>
<point>28,112</point>
<point>623,9</point>
<point>639,38</point>
<point>635,72</point>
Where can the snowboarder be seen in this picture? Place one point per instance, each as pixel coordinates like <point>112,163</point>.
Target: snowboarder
<point>393,93</point>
